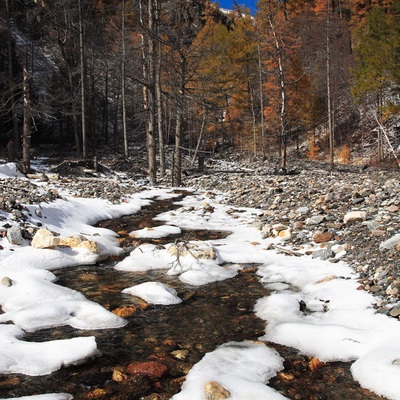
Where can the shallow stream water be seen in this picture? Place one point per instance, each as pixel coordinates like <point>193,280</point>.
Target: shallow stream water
<point>177,335</point>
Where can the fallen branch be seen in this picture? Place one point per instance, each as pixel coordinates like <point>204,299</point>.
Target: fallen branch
<point>286,251</point>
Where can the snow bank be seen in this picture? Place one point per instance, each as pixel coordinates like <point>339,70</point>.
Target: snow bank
<point>243,369</point>
<point>9,170</point>
<point>325,316</point>
<point>32,358</point>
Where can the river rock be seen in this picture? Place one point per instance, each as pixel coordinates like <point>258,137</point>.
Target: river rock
<point>285,234</point>
<point>315,220</point>
<point>79,241</point>
<point>6,281</point>
<point>322,237</point>
<point>355,216</point>
<point>214,391</point>
<point>195,249</point>
<point>44,239</point>
<point>151,369</point>
<point>395,312</point>
<point>391,243</point>
<point>14,235</point>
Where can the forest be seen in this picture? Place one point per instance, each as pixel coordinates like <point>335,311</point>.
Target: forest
<point>318,79</point>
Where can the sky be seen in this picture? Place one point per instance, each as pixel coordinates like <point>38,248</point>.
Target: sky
<point>251,4</point>
<point>339,322</point>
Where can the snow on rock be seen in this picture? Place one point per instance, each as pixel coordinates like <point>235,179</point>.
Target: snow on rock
<point>241,369</point>
<point>31,358</point>
<point>9,170</point>
<point>155,293</point>
<point>32,287</point>
<point>49,396</point>
<point>183,259</point>
<point>146,257</point>
<point>156,232</point>
<point>80,314</point>
<point>321,313</point>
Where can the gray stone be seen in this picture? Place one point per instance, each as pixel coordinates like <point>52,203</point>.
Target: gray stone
<point>315,220</point>
<point>323,254</point>
<point>302,210</point>
<point>390,243</point>
<point>14,235</point>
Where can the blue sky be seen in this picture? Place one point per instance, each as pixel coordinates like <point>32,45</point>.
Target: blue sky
<point>251,4</point>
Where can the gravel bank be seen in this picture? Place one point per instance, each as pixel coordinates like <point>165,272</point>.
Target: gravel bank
<point>351,214</point>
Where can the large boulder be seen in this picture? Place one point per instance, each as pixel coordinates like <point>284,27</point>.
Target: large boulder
<point>44,239</point>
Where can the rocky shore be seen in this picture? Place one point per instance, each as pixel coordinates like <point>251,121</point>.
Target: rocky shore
<point>350,214</point>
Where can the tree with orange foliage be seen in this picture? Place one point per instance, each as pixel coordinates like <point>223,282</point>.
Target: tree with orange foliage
<point>287,86</point>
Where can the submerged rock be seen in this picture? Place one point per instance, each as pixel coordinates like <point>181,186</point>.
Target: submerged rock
<point>215,391</point>
<point>151,369</point>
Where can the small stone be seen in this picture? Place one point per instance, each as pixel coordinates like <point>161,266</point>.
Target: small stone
<point>315,220</point>
<point>395,312</point>
<point>322,237</point>
<point>285,234</point>
<point>323,254</point>
<point>6,281</point>
<point>151,369</point>
<point>355,216</point>
<point>378,233</point>
<point>375,288</point>
<point>393,208</point>
<point>125,311</point>
<point>215,391</point>
<point>302,210</point>
<point>180,354</point>
<point>119,376</point>
<point>279,227</point>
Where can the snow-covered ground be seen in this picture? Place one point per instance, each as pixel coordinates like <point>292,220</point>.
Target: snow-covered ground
<point>314,306</point>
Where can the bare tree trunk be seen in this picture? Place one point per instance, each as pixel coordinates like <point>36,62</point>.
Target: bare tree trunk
<point>282,89</point>
<point>180,98</point>
<point>328,89</point>
<point>253,113</point>
<point>124,130</point>
<point>26,135</point>
<point>148,87</point>
<point>200,138</point>
<point>261,101</point>
<point>380,144</point>
<point>105,107</point>
<point>83,82</point>
<point>177,164</point>
<point>16,138</point>
<point>160,122</point>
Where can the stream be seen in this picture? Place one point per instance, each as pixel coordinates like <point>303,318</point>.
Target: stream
<point>177,336</point>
